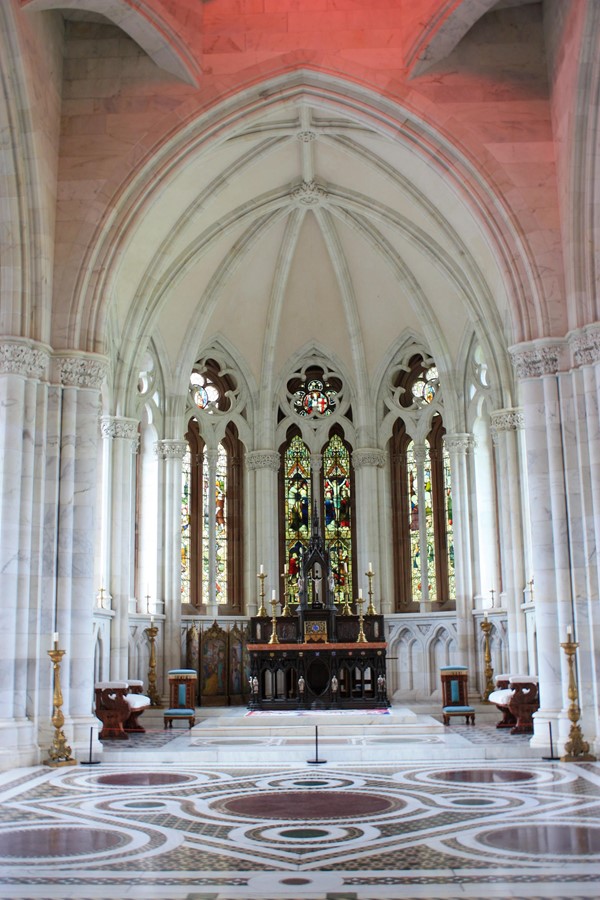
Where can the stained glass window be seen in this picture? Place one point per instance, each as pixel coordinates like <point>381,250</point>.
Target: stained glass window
<point>421,491</point>
<point>413,522</point>
<point>211,534</point>
<point>220,514</point>
<point>425,387</point>
<point>337,512</point>
<point>298,501</point>
<point>186,494</point>
<point>429,525</point>
<point>449,523</point>
<point>315,397</point>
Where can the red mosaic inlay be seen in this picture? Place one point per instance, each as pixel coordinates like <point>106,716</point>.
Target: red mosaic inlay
<point>483,776</point>
<point>561,840</point>
<point>40,842</point>
<point>310,805</point>
<point>133,779</point>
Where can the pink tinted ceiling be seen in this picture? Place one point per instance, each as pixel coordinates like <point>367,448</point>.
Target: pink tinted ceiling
<point>187,37</point>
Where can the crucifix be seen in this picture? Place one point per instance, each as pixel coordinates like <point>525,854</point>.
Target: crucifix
<point>492,592</point>
<point>530,583</point>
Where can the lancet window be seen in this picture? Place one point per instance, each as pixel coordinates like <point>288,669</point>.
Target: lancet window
<point>332,488</point>
<point>421,492</point>
<point>211,504</point>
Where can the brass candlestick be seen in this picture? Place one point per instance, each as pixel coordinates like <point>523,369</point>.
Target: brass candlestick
<point>371,611</point>
<point>262,612</point>
<point>486,627</point>
<point>576,749</point>
<point>286,611</point>
<point>361,639</point>
<point>60,752</point>
<point>274,639</point>
<point>346,608</point>
<point>152,692</point>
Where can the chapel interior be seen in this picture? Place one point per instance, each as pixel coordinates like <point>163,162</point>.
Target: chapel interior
<point>299,366</point>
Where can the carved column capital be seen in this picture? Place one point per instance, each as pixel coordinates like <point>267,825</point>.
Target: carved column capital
<point>112,427</point>
<point>584,345</point>
<point>23,358</point>
<point>459,442</point>
<point>507,420</point>
<point>537,358</point>
<point>316,462</point>
<point>369,457</point>
<point>419,453</point>
<point>81,370</point>
<point>170,449</point>
<point>263,459</point>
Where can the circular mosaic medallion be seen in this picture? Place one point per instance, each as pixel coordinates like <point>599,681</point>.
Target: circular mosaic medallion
<point>561,840</point>
<point>143,779</point>
<point>483,776</point>
<point>310,805</point>
<point>29,843</point>
<point>304,834</point>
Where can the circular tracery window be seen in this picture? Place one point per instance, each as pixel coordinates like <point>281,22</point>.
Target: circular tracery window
<point>314,398</point>
<point>425,387</point>
<point>203,390</point>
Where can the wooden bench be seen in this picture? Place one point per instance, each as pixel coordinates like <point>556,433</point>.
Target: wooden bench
<point>517,697</point>
<point>118,706</point>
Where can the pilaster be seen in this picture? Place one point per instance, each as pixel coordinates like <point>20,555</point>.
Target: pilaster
<point>369,467</point>
<point>506,426</point>
<point>263,466</point>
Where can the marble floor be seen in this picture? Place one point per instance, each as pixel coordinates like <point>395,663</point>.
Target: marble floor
<point>169,828</point>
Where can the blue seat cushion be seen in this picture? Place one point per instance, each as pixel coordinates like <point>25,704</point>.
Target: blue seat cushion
<point>179,712</point>
<point>458,709</point>
<point>182,672</point>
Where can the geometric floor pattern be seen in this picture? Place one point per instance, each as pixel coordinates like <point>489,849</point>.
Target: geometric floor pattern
<point>455,829</point>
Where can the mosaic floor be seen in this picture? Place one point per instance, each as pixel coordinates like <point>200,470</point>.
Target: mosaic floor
<point>457,829</point>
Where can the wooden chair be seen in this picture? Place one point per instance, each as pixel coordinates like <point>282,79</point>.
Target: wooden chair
<point>455,694</point>
<point>182,694</point>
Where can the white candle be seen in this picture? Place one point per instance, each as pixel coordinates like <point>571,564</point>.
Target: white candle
<point>274,594</point>
<point>151,620</point>
<point>55,639</point>
<point>370,567</point>
<point>360,593</point>
<point>262,569</point>
<point>485,615</point>
<point>285,569</point>
<point>569,632</point>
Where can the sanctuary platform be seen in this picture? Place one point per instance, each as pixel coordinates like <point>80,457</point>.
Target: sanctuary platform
<point>234,736</point>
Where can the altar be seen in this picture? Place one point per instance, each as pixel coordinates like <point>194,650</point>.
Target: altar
<point>316,653</point>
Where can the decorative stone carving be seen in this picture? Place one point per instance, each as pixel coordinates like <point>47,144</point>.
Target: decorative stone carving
<point>585,345</point>
<point>507,420</point>
<point>459,443</point>
<point>534,362</point>
<point>170,449</point>
<point>316,462</point>
<point>126,429</point>
<point>263,459</point>
<point>115,427</point>
<point>369,456</point>
<point>22,359</point>
<point>82,371</point>
<point>307,136</point>
<point>419,453</point>
<point>309,194</point>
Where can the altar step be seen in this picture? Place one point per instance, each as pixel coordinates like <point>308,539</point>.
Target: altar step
<point>228,736</point>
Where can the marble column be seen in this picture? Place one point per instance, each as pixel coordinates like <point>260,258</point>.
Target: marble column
<point>459,446</point>
<point>170,454</point>
<point>27,624</point>
<point>537,366</point>
<point>264,466</point>
<point>80,377</point>
<point>506,424</point>
<point>369,466</point>
<point>122,436</point>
